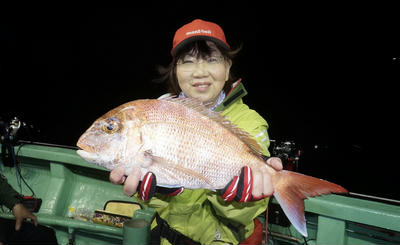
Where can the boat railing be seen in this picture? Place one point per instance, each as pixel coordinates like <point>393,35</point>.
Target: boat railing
<point>68,185</point>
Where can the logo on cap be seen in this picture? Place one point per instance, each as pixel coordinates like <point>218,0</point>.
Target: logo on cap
<point>199,31</point>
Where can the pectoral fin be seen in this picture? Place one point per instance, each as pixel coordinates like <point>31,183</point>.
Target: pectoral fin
<point>152,162</point>
<point>145,158</point>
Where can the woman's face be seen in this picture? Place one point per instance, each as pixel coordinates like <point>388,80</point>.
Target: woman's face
<point>203,78</point>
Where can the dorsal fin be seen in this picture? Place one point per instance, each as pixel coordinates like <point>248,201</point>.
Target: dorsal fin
<point>203,109</point>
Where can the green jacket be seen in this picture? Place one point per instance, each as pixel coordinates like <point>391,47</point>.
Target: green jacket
<point>201,214</point>
<point>8,196</point>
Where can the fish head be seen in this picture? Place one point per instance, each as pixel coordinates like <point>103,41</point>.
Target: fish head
<point>111,140</point>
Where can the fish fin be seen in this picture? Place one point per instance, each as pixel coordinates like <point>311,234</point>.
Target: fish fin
<point>146,159</point>
<point>171,167</point>
<point>203,109</point>
<point>292,188</point>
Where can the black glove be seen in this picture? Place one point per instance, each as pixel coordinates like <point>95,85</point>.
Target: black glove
<point>148,187</point>
<point>240,187</point>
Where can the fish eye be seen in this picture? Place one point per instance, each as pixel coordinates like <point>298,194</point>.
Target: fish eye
<point>111,125</point>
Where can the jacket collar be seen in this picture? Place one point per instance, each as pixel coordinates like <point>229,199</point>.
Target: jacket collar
<point>237,92</point>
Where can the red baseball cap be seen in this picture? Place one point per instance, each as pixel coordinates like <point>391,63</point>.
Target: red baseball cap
<point>198,30</point>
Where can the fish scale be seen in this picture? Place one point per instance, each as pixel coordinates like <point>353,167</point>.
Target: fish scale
<point>178,138</point>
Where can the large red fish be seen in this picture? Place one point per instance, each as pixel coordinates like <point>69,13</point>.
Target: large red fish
<point>185,144</point>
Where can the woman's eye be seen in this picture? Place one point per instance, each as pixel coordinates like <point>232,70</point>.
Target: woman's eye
<point>213,59</point>
<point>187,62</point>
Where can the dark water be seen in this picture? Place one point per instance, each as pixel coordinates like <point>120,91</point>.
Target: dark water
<point>325,83</point>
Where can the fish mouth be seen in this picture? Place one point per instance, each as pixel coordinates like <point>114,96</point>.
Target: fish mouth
<point>88,156</point>
<point>82,144</point>
<point>86,152</point>
<point>97,158</point>
<point>91,154</point>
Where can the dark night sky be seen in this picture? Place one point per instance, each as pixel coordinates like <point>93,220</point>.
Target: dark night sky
<point>318,77</point>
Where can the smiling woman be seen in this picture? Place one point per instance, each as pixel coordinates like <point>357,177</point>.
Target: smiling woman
<point>200,70</point>
<point>201,65</point>
<point>202,75</point>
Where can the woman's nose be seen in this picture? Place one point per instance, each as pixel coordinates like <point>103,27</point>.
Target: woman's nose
<point>200,69</point>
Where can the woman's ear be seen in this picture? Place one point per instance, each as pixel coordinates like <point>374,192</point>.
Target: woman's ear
<point>228,64</point>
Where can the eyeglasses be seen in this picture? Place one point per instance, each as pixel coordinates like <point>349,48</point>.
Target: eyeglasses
<point>190,63</point>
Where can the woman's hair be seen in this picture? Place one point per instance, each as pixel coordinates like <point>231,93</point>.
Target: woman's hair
<point>201,50</point>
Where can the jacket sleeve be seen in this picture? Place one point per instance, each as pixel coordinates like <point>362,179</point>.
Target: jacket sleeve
<point>239,213</point>
<point>251,122</point>
<point>258,129</point>
<point>260,134</point>
<point>8,196</point>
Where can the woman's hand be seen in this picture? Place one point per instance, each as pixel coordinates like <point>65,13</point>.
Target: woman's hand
<point>131,182</point>
<point>252,183</point>
<point>145,188</point>
<point>262,179</point>
<point>260,187</point>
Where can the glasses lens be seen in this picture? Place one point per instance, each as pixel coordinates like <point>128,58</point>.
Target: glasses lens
<point>209,62</point>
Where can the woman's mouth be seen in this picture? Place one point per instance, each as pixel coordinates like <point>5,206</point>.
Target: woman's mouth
<point>201,86</point>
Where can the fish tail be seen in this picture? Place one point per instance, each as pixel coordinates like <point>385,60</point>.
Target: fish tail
<point>292,188</point>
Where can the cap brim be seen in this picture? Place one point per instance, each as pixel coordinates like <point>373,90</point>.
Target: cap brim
<point>197,38</point>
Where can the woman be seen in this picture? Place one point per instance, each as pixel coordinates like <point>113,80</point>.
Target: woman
<point>200,69</point>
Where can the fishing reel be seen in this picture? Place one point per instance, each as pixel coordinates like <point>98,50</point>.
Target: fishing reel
<point>15,130</point>
<point>10,130</point>
<point>288,153</point>
<point>10,134</point>
<point>8,137</point>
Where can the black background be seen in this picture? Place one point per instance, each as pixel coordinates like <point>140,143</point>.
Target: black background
<point>322,77</point>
